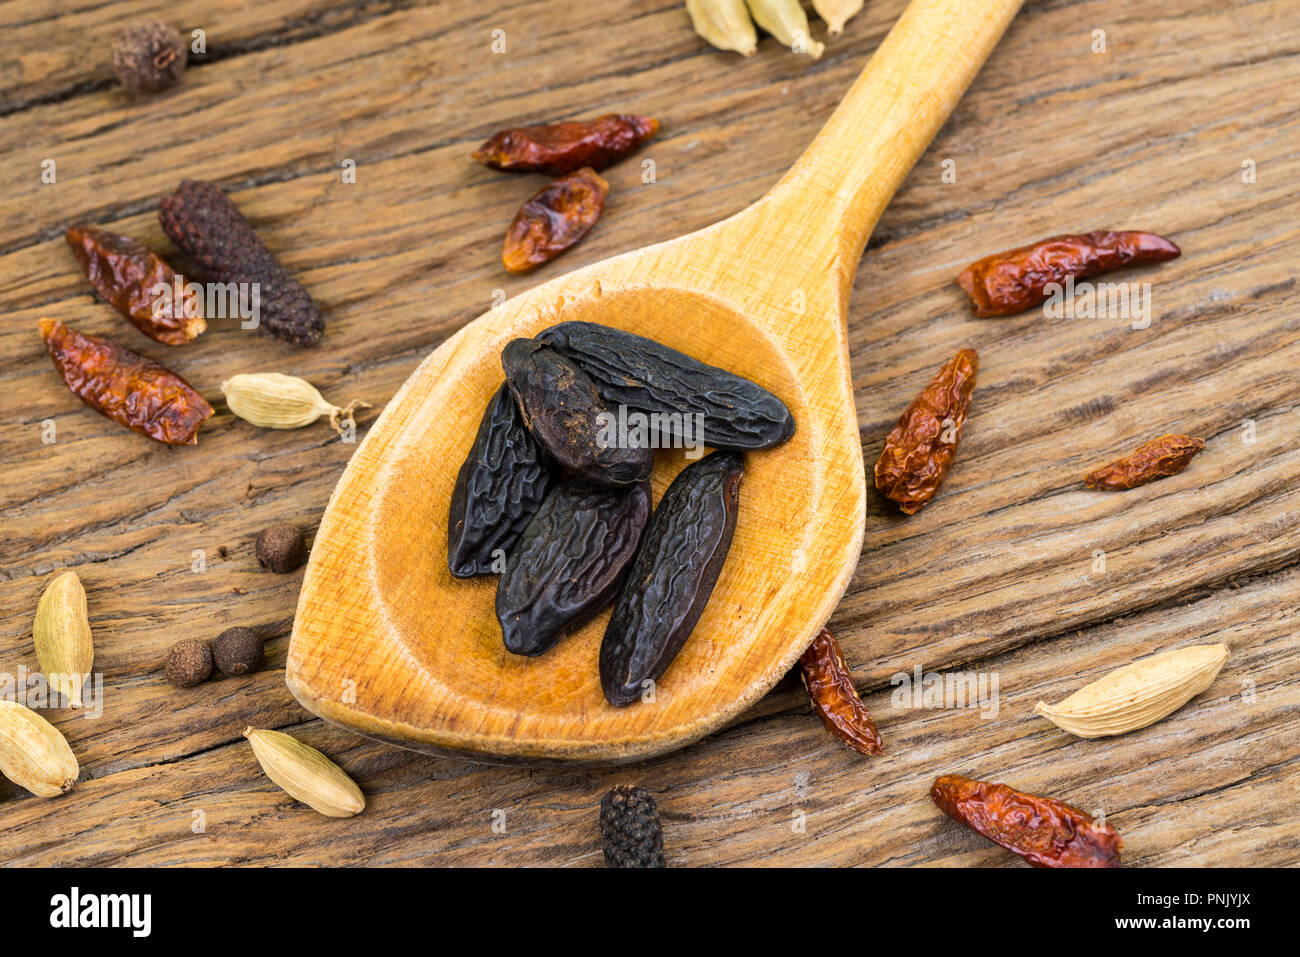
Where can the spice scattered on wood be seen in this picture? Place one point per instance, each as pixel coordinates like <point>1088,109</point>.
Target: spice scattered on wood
<point>238,651</point>
<point>631,834</point>
<point>205,225</point>
<point>1012,281</point>
<point>836,13</point>
<point>62,636</point>
<point>128,275</point>
<point>149,56</point>
<point>787,22</point>
<point>306,774</point>
<point>281,547</point>
<point>273,400</point>
<point>1158,458</point>
<point>126,387</point>
<point>1138,694</point>
<point>561,148</point>
<point>189,663</point>
<point>559,215</point>
<point>1044,831</point>
<point>34,754</point>
<point>725,24</point>
<point>919,452</point>
<point>834,697</point>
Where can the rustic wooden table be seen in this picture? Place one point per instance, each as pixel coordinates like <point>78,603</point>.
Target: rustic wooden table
<point>1014,572</point>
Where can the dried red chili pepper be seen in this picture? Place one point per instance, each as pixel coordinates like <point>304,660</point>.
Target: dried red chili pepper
<point>919,452</point>
<point>835,699</point>
<point>553,220</point>
<point>1158,458</point>
<point>1015,280</point>
<point>128,273</point>
<point>560,148</point>
<point>1044,831</point>
<point>126,387</point>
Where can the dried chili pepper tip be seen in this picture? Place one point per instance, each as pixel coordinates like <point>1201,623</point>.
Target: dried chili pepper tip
<point>630,831</point>
<point>149,56</point>
<point>560,148</point>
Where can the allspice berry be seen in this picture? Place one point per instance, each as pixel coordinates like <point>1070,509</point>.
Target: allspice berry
<point>149,56</point>
<point>238,651</point>
<point>281,547</point>
<point>189,663</point>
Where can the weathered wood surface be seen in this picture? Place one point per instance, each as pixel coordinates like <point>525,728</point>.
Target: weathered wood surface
<point>998,575</point>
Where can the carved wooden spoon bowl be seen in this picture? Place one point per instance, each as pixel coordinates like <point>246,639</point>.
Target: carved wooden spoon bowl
<point>387,643</point>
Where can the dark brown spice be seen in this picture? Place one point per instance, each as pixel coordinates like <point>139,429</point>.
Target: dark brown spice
<point>149,56</point>
<point>189,663</point>
<point>238,651</point>
<point>281,548</point>
<point>630,832</point>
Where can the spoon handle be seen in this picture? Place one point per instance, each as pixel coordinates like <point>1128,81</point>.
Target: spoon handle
<point>830,200</point>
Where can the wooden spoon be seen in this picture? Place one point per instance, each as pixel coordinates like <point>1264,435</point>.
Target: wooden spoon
<point>387,643</point>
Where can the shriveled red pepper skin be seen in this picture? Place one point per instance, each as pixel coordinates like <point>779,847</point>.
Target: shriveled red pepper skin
<point>920,451</point>
<point>553,220</point>
<point>1158,458</point>
<point>125,273</point>
<point>1044,831</point>
<point>1009,282</point>
<point>834,697</point>
<point>126,387</point>
<point>560,148</point>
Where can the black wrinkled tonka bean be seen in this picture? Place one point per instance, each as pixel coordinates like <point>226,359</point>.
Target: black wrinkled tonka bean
<point>569,562</point>
<point>649,377</point>
<point>565,413</point>
<point>502,483</point>
<point>672,576</point>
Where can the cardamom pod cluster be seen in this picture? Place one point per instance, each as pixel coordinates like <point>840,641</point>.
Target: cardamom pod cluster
<point>1138,694</point>
<point>729,24</point>
<point>272,400</point>
<point>62,637</point>
<point>306,774</point>
<point>33,753</point>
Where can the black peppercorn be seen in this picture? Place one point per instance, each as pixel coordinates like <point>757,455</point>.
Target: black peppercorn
<point>630,832</point>
<point>281,548</point>
<point>189,663</point>
<point>149,56</point>
<point>238,651</point>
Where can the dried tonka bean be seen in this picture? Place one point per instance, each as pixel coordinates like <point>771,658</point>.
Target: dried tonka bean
<point>568,418</point>
<point>126,387</point>
<point>1044,831</point>
<point>202,221</point>
<point>1009,282</point>
<point>672,576</point>
<point>834,697</point>
<point>500,486</point>
<point>1159,458</point>
<point>128,274</point>
<point>650,378</point>
<point>919,452</point>
<point>569,562</point>
<point>560,148</point>
<point>553,220</point>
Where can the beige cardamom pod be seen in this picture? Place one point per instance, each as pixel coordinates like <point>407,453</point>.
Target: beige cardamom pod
<point>836,13</point>
<point>33,753</point>
<point>786,21</point>
<point>272,400</point>
<point>724,23</point>
<point>62,636</point>
<point>1137,694</point>
<point>306,774</point>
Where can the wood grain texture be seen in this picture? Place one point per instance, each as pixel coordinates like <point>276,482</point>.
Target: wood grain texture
<point>996,575</point>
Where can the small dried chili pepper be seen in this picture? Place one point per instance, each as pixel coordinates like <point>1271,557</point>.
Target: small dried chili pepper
<point>128,274</point>
<point>1009,282</point>
<point>919,452</point>
<point>1044,831</point>
<point>834,697</point>
<point>1158,458</point>
<point>553,220</point>
<point>126,387</point>
<point>560,148</point>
